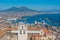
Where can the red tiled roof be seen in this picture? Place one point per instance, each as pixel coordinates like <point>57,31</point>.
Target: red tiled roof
<point>45,30</point>
<point>33,28</point>
<point>9,29</point>
<point>2,32</point>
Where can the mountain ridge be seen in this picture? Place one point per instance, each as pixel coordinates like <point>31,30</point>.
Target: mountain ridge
<point>25,10</point>
<point>20,9</point>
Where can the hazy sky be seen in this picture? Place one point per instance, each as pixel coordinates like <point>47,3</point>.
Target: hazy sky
<point>32,4</point>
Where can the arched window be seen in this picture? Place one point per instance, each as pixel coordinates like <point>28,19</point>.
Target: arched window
<point>43,39</point>
<point>20,31</point>
<point>23,31</point>
<point>22,26</point>
<point>40,39</point>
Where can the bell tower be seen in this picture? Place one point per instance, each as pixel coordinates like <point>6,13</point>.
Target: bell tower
<point>22,31</point>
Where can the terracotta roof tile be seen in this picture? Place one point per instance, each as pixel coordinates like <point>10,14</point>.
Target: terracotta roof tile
<point>45,30</point>
<point>33,28</point>
<point>2,32</point>
<point>9,29</point>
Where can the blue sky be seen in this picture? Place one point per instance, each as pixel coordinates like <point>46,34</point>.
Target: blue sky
<point>32,4</point>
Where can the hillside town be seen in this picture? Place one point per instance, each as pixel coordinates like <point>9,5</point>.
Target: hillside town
<point>29,19</point>
<point>26,31</point>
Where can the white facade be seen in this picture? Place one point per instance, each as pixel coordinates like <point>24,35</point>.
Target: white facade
<point>22,31</point>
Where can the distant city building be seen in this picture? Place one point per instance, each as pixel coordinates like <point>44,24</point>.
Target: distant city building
<point>37,33</point>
